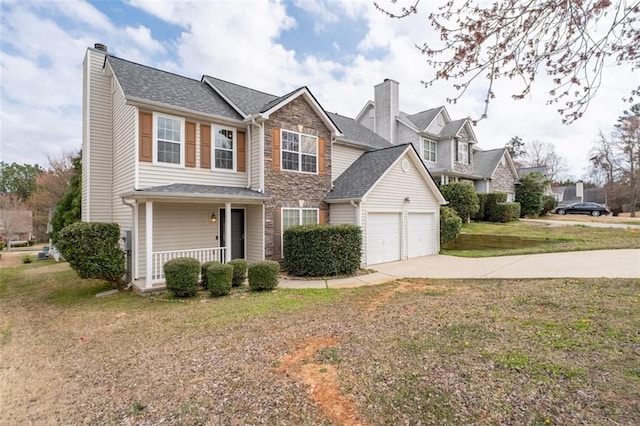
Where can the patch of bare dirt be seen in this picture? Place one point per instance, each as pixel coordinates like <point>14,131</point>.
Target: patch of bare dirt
<point>321,381</point>
<point>11,259</point>
<point>401,287</point>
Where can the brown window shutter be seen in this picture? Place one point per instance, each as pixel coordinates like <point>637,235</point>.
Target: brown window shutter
<point>205,146</point>
<point>275,148</point>
<point>190,156</point>
<point>242,152</point>
<point>321,167</point>
<point>146,136</point>
<point>277,233</point>
<point>323,215</point>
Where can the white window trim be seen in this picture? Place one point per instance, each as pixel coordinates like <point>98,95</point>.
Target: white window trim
<point>234,149</point>
<point>283,209</point>
<point>154,130</point>
<point>462,143</point>
<point>282,151</point>
<point>435,152</point>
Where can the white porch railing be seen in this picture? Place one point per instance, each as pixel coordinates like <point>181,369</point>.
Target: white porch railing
<point>159,258</point>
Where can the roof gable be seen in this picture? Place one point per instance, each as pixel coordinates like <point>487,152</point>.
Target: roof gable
<point>423,119</point>
<point>363,175</point>
<point>485,163</point>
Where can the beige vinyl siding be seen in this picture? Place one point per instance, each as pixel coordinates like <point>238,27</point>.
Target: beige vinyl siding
<point>85,137</point>
<point>150,174</point>
<point>389,194</point>
<point>254,152</point>
<point>154,175</point>
<point>342,157</point>
<point>254,231</point>
<point>342,213</point>
<point>124,140</point>
<point>98,159</point>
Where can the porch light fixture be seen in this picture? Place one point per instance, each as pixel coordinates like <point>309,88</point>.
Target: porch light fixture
<point>213,218</point>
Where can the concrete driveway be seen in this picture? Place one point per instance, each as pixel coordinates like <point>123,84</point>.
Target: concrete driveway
<point>578,264</point>
<point>582,264</point>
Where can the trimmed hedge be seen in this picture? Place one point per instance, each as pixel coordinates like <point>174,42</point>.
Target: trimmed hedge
<point>322,250</point>
<point>219,278</point>
<point>493,213</point>
<point>203,272</point>
<point>263,275</point>
<point>506,212</point>
<point>181,276</point>
<point>450,225</point>
<point>93,251</point>
<point>239,271</point>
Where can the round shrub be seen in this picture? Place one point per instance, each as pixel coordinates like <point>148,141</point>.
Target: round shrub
<point>263,275</point>
<point>462,197</point>
<point>219,278</point>
<point>239,271</point>
<point>203,272</point>
<point>450,225</point>
<point>181,276</point>
<point>93,251</point>
<point>529,194</point>
<point>548,204</point>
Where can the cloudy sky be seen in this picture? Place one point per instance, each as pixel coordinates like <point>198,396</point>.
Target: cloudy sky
<point>338,48</point>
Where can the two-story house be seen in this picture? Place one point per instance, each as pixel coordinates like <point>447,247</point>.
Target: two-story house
<point>215,170</point>
<point>448,147</point>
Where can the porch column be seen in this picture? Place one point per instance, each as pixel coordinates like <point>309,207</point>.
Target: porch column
<point>148,219</point>
<point>227,231</point>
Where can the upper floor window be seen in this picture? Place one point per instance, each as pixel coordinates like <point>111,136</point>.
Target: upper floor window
<point>169,139</point>
<point>224,146</point>
<point>299,152</point>
<point>429,150</point>
<point>463,152</point>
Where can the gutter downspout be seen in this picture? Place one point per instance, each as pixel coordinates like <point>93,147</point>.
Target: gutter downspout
<point>250,138</point>
<point>353,203</point>
<point>134,242</point>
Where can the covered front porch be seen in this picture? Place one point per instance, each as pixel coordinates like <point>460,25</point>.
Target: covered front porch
<point>206,225</point>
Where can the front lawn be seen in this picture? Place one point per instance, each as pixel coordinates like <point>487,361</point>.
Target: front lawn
<point>561,351</point>
<point>552,238</point>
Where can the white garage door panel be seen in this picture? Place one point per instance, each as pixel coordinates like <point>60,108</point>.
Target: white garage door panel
<point>421,234</point>
<point>383,237</point>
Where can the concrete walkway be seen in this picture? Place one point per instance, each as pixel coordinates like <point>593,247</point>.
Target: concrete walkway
<point>582,264</point>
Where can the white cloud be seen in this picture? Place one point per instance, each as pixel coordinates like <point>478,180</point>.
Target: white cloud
<point>240,41</point>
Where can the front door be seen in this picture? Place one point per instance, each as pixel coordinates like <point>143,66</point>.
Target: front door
<point>237,232</point>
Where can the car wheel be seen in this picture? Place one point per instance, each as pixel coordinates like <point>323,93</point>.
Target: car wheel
<point>562,211</point>
<point>595,213</point>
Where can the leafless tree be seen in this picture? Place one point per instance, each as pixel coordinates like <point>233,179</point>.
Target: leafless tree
<point>571,41</point>
<point>14,218</point>
<point>543,154</point>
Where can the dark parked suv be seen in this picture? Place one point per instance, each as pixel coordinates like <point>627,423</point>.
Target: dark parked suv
<point>593,209</point>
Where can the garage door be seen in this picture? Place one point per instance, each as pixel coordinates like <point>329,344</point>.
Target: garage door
<point>421,234</point>
<point>383,237</point>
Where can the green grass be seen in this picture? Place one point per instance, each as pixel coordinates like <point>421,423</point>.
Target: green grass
<point>554,239</point>
<point>437,352</point>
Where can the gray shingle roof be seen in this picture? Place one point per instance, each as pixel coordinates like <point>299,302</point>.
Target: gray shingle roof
<point>485,162</point>
<point>360,177</point>
<point>249,101</point>
<point>452,128</point>
<point>150,84</point>
<point>355,132</point>
<point>424,118</point>
<point>186,189</point>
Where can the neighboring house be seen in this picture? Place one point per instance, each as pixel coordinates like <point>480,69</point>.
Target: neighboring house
<point>447,147</point>
<point>214,170</point>
<point>16,225</point>
<point>594,195</point>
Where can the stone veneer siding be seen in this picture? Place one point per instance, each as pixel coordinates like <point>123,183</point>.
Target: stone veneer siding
<point>503,179</point>
<point>286,188</point>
